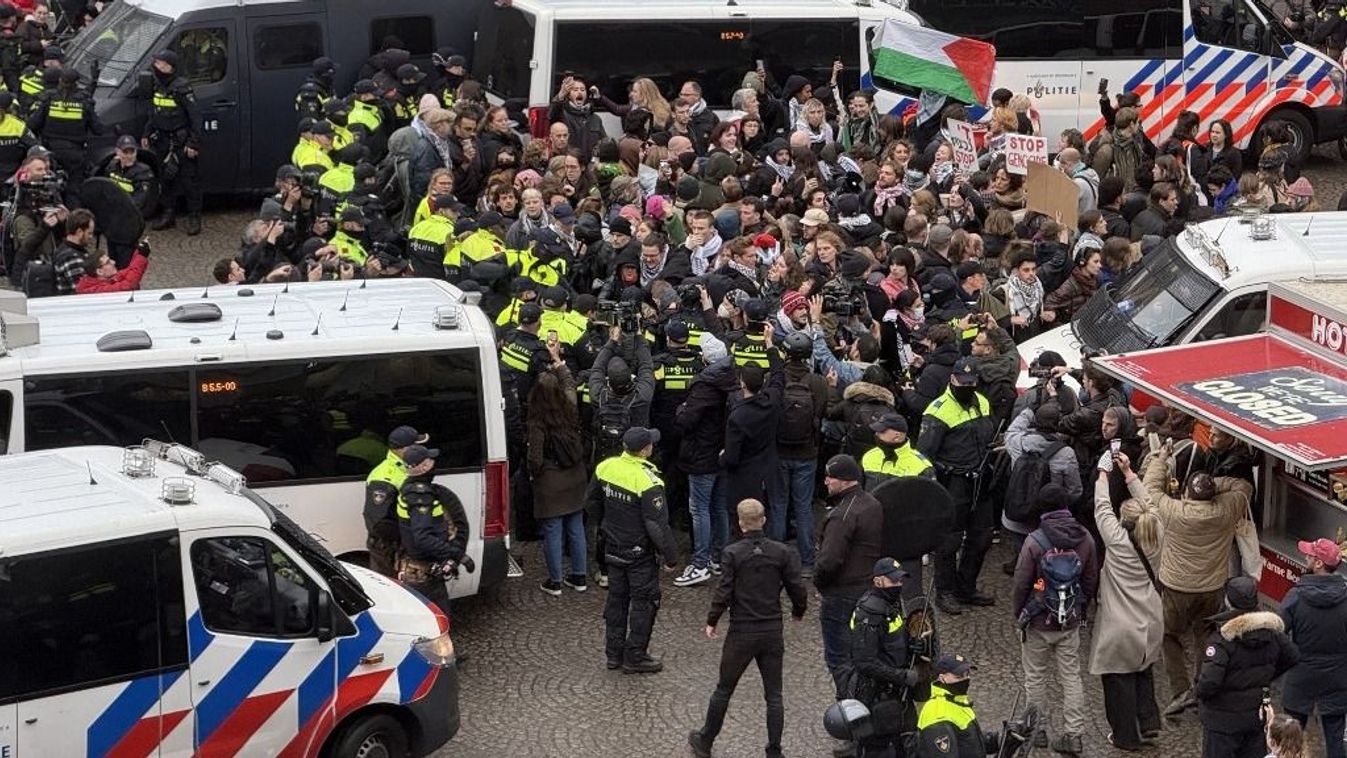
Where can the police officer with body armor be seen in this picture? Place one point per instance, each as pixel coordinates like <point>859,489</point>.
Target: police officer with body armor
<point>16,139</point>
<point>381,494</point>
<point>11,52</point>
<point>64,120</point>
<point>627,499</point>
<point>32,82</point>
<point>132,175</point>
<point>317,89</point>
<point>429,241</point>
<point>433,529</point>
<point>173,132</point>
<point>879,673</point>
<point>948,727</point>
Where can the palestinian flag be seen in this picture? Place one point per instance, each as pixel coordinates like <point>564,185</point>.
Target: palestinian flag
<point>934,61</point>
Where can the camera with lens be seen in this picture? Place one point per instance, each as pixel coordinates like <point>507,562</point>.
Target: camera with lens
<point>308,184</point>
<point>43,195</point>
<point>689,293</point>
<point>843,298</point>
<point>1040,372</point>
<point>619,313</point>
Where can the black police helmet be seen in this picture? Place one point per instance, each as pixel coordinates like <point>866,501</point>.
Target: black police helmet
<point>848,720</point>
<point>798,346</point>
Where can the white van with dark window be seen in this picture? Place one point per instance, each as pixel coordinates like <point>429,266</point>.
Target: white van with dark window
<point>294,386</point>
<point>152,604</point>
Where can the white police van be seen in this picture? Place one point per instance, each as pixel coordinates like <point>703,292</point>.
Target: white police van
<point>294,386</point>
<point>151,604</point>
<point>1208,283</point>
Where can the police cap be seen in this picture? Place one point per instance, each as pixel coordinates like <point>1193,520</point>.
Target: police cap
<point>365,87</point>
<point>489,219</point>
<point>553,297</point>
<point>440,202</point>
<point>322,126</point>
<point>167,56</point>
<point>69,76</point>
<point>638,437</point>
<point>409,71</point>
<point>324,65</point>
<point>529,314</point>
<point>965,373</point>
<point>676,331</point>
<point>6,98</point>
<point>352,214</point>
<point>418,492</point>
<point>305,125</point>
<point>406,436</point>
<point>415,455</point>
<point>53,53</point>
<point>127,142</point>
<point>755,310</point>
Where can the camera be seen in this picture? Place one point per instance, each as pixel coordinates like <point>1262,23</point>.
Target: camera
<point>619,313</point>
<point>1040,372</point>
<point>843,298</point>
<point>39,196</point>
<point>308,184</point>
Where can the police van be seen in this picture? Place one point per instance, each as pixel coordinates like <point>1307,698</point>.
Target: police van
<point>1224,59</point>
<point>294,386</point>
<point>1210,282</point>
<point>152,604</point>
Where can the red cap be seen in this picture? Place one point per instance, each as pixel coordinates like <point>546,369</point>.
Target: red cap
<point>1324,549</point>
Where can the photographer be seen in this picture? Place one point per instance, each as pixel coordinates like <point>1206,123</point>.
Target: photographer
<point>39,213</point>
<point>846,312</point>
<point>258,254</point>
<point>861,354</point>
<point>620,399</point>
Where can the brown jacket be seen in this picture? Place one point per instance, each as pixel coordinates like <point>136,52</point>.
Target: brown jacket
<point>1199,534</point>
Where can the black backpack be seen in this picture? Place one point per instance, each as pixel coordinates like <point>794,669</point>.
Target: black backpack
<point>40,278</point>
<point>860,437</point>
<point>799,419</point>
<point>1027,478</point>
<point>612,419</point>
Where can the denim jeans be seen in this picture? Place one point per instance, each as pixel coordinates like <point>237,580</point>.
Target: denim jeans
<point>710,521</point>
<point>557,531</point>
<point>834,616</point>
<point>794,488</point>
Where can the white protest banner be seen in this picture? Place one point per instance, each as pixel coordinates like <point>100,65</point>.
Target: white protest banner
<point>1023,149</point>
<point>965,148</point>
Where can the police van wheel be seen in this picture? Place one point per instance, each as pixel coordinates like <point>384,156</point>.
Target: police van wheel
<point>375,736</point>
<point>1302,132</point>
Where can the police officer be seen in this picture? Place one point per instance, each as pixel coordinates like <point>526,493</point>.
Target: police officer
<point>947,726</point>
<point>64,119</point>
<point>893,456</point>
<point>381,493</point>
<point>627,498</point>
<point>337,183</point>
<point>523,356</point>
<point>173,132</point>
<point>433,530</point>
<point>956,432</point>
<point>880,673</point>
<point>350,239</point>
<point>314,146</point>
<point>15,137</point>
<point>370,114</point>
<point>133,176</point>
<point>481,245</point>
<point>11,53</point>
<point>452,69</point>
<point>337,113</point>
<point>553,300</point>
<point>429,241</point>
<point>317,89</point>
<point>522,290</point>
<point>31,82</point>
<point>750,348</point>
<point>545,260</point>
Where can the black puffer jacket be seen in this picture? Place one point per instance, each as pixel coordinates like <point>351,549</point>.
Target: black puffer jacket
<point>1315,614</point>
<point>701,418</point>
<point>932,380</point>
<point>1248,653</point>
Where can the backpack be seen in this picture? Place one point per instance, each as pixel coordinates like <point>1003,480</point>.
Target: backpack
<point>799,421</point>
<point>1027,477</point>
<point>1058,582</point>
<point>40,278</point>
<point>612,419</point>
<point>860,437</point>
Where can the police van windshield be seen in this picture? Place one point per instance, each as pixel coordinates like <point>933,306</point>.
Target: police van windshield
<point>345,587</point>
<point>1148,306</point>
<point>115,42</point>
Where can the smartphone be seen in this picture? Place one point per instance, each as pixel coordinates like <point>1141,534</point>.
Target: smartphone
<point>761,66</point>
<point>552,339</point>
<point>1114,446</point>
<point>1153,441</point>
<point>1103,86</point>
<point>944,198</point>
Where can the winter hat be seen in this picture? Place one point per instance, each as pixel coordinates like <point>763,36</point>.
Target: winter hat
<point>1241,593</point>
<point>528,178</point>
<point>654,207</point>
<point>712,348</point>
<point>848,204</point>
<point>620,225</point>
<point>426,104</point>
<point>845,468</point>
<point>688,188</point>
<point>631,213</point>
<point>1051,497</point>
<point>792,301</point>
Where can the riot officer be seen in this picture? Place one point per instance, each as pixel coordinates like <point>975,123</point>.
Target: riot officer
<point>429,241</point>
<point>452,69</point>
<point>11,52</point>
<point>369,113</point>
<point>433,530</point>
<point>337,113</point>
<point>317,89</point>
<point>947,726</point>
<point>381,493</point>
<point>15,137</point>
<point>893,456</point>
<point>481,245</point>
<point>64,119</point>
<point>173,132</point>
<point>956,431</point>
<point>627,498</point>
<point>880,674</point>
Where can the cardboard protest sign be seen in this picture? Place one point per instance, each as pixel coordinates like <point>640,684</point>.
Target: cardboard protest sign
<point>965,147</point>
<point>1023,149</point>
<point>1052,193</point>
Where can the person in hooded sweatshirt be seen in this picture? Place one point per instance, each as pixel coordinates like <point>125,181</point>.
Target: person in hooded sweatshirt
<point>1050,622</point>
<point>1315,615</point>
<point>748,462</point>
<point>1246,652</point>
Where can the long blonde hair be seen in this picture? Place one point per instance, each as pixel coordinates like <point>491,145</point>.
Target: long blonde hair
<point>1286,738</point>
<point>1139,518</point>
<point>652,100</point>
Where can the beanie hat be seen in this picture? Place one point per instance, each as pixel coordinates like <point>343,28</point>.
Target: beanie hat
<point>792,301</point>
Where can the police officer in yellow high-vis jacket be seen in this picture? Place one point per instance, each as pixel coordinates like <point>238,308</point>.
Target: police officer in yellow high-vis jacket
<point>429,241</point>
<point>627,497</point>
<point>893,456</point>
<point>433,529</point>
<point>63,119</point>
<point>948,727</point>
<point>880,674</point>
<point>956,431</point>
<point>173,131</point>
<point>381,495</point>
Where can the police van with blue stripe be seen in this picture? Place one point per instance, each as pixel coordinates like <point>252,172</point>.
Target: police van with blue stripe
<point>152,604</point>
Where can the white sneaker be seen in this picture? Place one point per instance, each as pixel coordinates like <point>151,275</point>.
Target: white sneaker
<point>715,568</point>
<point>692,575</point>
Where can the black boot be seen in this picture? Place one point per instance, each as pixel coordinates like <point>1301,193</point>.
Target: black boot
<point>947,603</point>
<point>192,225</point>
<point>165,220</point>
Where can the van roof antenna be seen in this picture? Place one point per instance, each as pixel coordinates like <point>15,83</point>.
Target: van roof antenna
<point>92,481</point>
<point>205,293</point>
<point>363,281</point>
<point>132,299</point>
<point>1308,224</point>
<point>272,312</point>
<point>314,333</point>
<point>398,321</point>
<point>286,290</point>
<point>343,301</point>
<point>235,333</point>
<point>1218,234</point>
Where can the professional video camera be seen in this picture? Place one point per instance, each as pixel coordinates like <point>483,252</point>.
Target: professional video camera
<point>620,313</point>
<point>40,196</point>
<point>844,298</point>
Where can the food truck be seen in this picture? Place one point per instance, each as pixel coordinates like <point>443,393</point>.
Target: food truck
<point>1284,392</point>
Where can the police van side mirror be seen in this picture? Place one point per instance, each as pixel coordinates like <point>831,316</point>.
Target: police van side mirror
<point>324,628</point>
<point>144,84</point>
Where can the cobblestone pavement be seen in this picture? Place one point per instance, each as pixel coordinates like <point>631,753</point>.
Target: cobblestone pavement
<point>536,686</point>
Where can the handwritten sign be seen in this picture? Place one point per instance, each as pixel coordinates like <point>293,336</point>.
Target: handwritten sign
<point>961,137</point>
<point>1023,149</point>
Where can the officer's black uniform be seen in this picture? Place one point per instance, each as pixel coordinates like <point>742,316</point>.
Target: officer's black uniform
<point>173,127</point>
<point>316,90</point>
<point>15,137</point>
<point>879,674</point>
<point>627,498</point>
<point>64,119</point>
<point>11,52</point>
<point>136,179</point>
<point>434,533</point>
